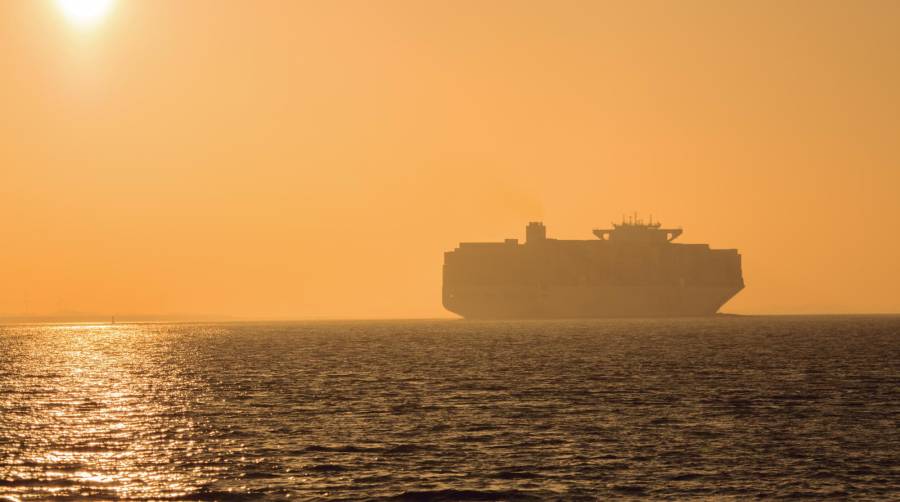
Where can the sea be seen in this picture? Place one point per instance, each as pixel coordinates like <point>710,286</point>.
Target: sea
<point>724,408</point>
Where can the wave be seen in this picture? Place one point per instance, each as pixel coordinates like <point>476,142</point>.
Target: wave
<point>462,495</point>
<point>387,449</point>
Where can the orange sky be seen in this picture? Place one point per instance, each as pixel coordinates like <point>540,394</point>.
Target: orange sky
<point>289,159</point>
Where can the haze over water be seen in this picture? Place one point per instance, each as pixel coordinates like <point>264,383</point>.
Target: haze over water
<point>283,159</point>
<point>420,410</point>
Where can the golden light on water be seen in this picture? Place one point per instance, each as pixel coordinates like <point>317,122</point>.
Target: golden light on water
<point>91,430</point>
<point>85,13</point>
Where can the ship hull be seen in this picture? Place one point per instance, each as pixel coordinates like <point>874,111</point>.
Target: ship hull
<point>561,302</point>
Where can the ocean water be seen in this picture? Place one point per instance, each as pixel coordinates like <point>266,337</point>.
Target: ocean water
<point>453,410</point>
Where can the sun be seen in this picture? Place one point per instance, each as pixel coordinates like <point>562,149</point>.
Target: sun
<point>85,13</point>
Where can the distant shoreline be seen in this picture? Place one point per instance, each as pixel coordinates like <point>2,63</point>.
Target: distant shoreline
<point>98,319</point>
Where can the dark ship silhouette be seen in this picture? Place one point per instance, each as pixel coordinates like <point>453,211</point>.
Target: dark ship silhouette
<point>631,270</point>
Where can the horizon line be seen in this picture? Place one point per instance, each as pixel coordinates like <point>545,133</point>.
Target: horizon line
<point>7,320</point>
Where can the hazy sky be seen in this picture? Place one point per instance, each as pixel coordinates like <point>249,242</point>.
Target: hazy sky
<point>296,159</point>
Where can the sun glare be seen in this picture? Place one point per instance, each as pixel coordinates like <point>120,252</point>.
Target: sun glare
<point>85,13</point>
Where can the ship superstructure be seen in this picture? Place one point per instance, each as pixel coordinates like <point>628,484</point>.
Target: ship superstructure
<point>631,270</point>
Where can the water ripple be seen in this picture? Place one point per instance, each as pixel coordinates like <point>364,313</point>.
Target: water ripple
<point>673,409</point>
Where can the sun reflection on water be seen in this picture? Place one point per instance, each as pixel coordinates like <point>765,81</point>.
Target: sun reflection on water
<point>92,417</point>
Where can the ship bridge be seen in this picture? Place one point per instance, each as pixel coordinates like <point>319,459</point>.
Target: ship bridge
<point>634,229</point>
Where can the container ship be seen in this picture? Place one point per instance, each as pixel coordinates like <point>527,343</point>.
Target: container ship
<point>630,270</point>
